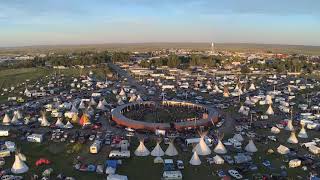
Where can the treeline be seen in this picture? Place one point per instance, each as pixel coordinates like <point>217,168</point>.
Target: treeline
<point>71,59</point>
<point>183,62</point>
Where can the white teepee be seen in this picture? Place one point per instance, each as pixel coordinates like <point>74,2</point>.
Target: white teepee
<point>15,119</point>
<point>292,139</point>
<point>82,105</point>
<point>101,106</point>
<point>195,160</point>
<point>241,110</point>
<point>220,149</point>
<point>44,121</point>
<point>6,120</point>
<point>252,87</point>
<point>202,148</point>
<point>268,99</point>
<point>270,110</point>
<point>122,92</point>
<point>142,150</point>
<point>59,123</point>
<point>68,125</point>
<point>133,98</point>
<point>303,132</point>
<point>289,126</point>
<point>139,99</point>
<point>92,102</point>
<point>18,114</point>
<point>171,150</point>
<point>157,151</point>
<point>251,147</point>
<point>19,166</point>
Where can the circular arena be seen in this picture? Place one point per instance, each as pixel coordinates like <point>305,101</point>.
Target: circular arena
<point>205,116</point>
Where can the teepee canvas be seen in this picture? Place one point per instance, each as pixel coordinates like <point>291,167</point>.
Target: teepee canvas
<point>139,99</point>
<point>59,123</point>
<point>6,120</point>
<point>270,110</point>
<point>251,147</point>
<point>171,150</point>
<point>19,166</point>
<point>141,150</point>
<point>101,106</point>
<point>303,132</point>
<point>84,120</point>
<point>220,149</point>
<point>289,126</point>
<point>226,92</point>
<point>292,139</point>
<point>68,125</point>
<point>195,160</point>
<point>157,151</point>
<point>44,121</point>
<point>202,148</point>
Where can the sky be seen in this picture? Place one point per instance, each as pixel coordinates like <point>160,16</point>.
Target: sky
<point>55,22</point>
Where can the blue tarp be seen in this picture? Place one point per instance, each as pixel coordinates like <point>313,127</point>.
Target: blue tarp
<point>112,163</point>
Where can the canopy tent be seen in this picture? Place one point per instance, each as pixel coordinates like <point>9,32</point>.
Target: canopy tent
<point>19,166</point>
<point>251,147</point>
<point>195,160</point>
<point>6,120</point>
<point>293,139</point>
<point>202,148</point>
<point>303,132</point>
<point>141,150</point>
<point>171,150</point>
<point>220,149</point>
<point>157,151</point>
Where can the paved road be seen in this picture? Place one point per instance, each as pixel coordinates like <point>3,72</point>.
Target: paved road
<point>131,80</point>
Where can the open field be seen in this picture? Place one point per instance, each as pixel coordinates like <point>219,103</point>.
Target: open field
<point>241,47</point>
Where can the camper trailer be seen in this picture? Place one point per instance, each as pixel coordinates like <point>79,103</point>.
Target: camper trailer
<point>172,175</point>
<point>35,138</point>
<point>119,154</point>
<point>4,133</point>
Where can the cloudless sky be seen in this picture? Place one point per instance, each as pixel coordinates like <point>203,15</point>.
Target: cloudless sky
<point>48,22</point>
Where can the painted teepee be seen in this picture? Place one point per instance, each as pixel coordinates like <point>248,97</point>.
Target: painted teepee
<point>141,150</point>
<point>171,150</point>
<point>19,166</point>
<point>195,160</point>
<point>251,147</point>
<point>270,110</point>
<point>220,149</point>
<point>303,132</point>
<point>84,120</point>
<point>292,139</point>
<point>202,148</point>
<point>157,151</point>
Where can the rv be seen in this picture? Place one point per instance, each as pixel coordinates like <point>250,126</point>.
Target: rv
<point>119,154</point>
<point>172,175</point>
<point>4,133</point>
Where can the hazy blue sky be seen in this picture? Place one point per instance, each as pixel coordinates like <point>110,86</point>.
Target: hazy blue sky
<point>35,22</point>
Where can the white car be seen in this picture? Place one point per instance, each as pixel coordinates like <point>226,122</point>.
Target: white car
<point>235,174</point>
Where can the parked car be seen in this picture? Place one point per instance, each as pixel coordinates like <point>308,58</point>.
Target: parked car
<point>235,174</point>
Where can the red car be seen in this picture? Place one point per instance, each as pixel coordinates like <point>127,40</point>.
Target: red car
<point>42,161</point>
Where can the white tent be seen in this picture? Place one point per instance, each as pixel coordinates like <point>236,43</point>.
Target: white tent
<point>133,98</point>
<point>292,139</point>
<point>241,109</point>
<point>303,132</point>
<point>218,159</point>
<point>220,149</point>
<point>19,166</point>
<point>93,102</point>
<point>74,109</point>
<point>268,99</point>
<point>141,150</point>
<point>195,160</point>
<point>101,106</point>
<point>157,151</point>
<point>202,148</point>
<point>294,163</point>
<point>120,102</point>
<point>104,102</point>
<point>18,114</point>
<point>158,160</point>
<point>122,92</point>
<point>59,123</point>
<point>238,137</point>
<point>15,120</point>
<point>289,126</point>
<point>283,149</point>
<point>139,99</point>
<point>82,105</point>
<point>251,147</point>
<point>6,120</point>
<point>275,130</point>
<point>171,150</point>
<point>44,121</point>
<point>252,87</point>
<point>270,110</point>
<point>68,125</point>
